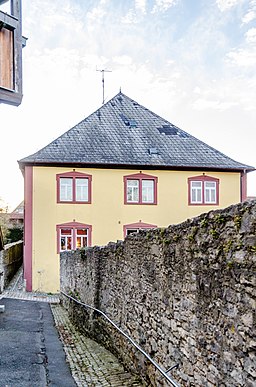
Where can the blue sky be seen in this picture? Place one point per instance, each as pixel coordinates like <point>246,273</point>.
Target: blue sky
<point>191,62</point>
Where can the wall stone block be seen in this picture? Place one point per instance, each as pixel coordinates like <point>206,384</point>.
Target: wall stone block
<point>185,294</point>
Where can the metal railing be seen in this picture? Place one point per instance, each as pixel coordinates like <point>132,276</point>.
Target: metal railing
<point>164,373</point>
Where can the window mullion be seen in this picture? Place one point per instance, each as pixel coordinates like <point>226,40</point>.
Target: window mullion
<point>73,189</point>
<point>73,242</point>
<point>140,191</point>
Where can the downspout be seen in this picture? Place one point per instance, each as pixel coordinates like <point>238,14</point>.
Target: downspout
<point>243,185</point>
<point>28,227</point>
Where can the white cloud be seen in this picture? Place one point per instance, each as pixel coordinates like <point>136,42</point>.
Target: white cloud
<point>251,13</point>
<point>129,18</point>
<point>242,57</point>
<point>140,5</point>
<point>123,60</point>
<point>249,16</point>
<point>204,104</point>
<point>97,13</point>
<point>251,35</point>
<point>225,5</point>
<point>163,5</point>
<point>133,16</point>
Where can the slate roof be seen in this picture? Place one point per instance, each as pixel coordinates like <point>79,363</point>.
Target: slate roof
<point>125,133</point>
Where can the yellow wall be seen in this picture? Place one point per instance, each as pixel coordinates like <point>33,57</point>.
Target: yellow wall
<point>107,213</point>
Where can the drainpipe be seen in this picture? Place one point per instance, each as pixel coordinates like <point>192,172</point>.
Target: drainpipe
<point>243,186</point>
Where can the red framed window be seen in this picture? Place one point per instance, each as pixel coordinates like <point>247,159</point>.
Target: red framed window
<point>74,187</point>
<point>73,235</point>
<point>135,227</point>
<point>203,190</point>
<point>140,188</point>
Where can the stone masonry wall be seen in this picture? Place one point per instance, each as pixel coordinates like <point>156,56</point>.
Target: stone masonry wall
<point>185,294</point>
<point>10,261</point>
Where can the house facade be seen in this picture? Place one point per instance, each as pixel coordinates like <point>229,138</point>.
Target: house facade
<point>121,169</point>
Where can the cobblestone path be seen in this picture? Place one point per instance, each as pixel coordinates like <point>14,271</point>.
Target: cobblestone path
<point>91,364</point>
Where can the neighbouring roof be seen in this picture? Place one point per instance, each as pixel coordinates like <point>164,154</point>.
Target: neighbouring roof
<point>125,133</point>
<point>18,212</point>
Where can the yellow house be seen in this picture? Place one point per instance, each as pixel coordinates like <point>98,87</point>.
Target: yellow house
<point>121,169</point>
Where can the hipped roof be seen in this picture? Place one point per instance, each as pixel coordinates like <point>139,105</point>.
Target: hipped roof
<point>124,133</point>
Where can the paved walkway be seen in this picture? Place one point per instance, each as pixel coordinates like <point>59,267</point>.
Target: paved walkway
<point>90,364</point>
<point>31,353</point>
<point>16,290</point>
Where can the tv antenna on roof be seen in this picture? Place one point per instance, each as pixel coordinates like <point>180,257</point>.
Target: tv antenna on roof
<point>103,71</point>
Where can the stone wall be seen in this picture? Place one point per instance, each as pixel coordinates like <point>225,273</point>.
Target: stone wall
<point>185,294</point>
<point>10,261</point>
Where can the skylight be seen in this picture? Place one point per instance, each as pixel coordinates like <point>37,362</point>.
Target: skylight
<point>168,130</point>
<point>129,122</point>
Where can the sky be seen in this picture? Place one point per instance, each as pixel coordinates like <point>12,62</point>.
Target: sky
<point>193,62</point>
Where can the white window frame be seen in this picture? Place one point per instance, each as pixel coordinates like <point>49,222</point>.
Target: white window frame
<point>133,190</point>
<point>212,191</point>
<point>196,191</point>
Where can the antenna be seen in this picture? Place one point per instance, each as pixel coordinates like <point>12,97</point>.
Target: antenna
<point>103,71</point>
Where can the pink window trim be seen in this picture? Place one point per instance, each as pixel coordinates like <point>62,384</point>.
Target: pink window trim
<point>73,226</point>
<point>203,179</point>
<point>140,177</point>
<point>28,212</point>
<point>138,225</point>
<point>73,175</point>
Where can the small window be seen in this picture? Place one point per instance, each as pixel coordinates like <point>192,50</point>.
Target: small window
<point>140,189</point>
<point>203,190</point>
<point>73,235</point>
<point>74,187</point>
<point>133,228</point>
<point>130,231</point>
